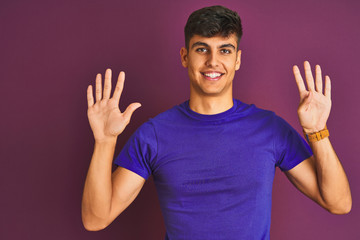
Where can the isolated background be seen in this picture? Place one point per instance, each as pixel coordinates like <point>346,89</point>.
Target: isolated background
<point>50,51</point>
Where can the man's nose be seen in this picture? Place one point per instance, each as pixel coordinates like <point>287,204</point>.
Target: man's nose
<point>212,60</point>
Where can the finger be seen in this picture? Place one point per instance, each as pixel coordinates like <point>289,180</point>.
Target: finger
<point>119,86</point>
<point>318,79</point>
<point>299,80</point>
<point>309,76</point>
<point>90,98</point>
<point>130,110</point>
<point>98,87</point>
<point>107,85</point>
<point>327,87</point>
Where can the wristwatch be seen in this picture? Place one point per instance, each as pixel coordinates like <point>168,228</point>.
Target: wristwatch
<point>316,136</point>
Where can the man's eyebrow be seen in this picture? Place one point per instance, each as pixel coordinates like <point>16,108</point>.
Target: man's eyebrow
<point>199,44</point>
<point>227,45</point>
<point>207,45</point>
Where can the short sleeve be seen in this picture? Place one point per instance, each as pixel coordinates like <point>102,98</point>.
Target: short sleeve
<point>290,148</point>
<point>139,151</point>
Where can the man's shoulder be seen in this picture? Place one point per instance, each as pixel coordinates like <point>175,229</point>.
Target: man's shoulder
<point>169,116</point>
<point>263,117</point>
<point>253,111</point>
<point>269,116</point>
<point>172,114</point>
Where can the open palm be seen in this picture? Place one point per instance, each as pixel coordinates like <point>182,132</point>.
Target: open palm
<point>314,108</point>
<point>105,118</point>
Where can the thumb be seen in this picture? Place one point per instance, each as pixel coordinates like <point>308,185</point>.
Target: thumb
<point>130,110</point>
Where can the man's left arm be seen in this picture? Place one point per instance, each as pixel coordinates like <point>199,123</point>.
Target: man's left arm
<point>320,177</point>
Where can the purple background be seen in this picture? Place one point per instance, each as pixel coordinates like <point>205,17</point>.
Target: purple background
<point>52,50</point>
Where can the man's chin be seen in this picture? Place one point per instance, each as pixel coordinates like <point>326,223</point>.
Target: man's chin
<point>213,92</point>
<point>216,91</point>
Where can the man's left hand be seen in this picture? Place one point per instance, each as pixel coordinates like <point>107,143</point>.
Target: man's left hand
<point>314,107</point>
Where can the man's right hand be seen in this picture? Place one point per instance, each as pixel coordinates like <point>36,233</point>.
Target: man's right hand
<point>105,118</point>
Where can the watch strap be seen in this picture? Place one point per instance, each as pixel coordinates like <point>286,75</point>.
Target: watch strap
<point>316,136</point>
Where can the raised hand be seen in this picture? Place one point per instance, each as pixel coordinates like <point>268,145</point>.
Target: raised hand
<point>314,107</point>
<point>105,118</point>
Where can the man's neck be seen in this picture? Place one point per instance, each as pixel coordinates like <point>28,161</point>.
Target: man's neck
<point>210,105</point>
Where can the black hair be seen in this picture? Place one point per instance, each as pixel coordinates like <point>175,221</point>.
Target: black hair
<point>213,21</point>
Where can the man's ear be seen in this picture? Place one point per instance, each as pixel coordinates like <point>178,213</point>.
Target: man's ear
<point>184,57</point>
<point>238,60</point>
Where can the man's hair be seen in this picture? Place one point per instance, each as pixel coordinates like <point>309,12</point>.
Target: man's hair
<point>213,21</point>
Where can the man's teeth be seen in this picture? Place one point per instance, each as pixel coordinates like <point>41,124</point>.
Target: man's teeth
<point>212,75</point>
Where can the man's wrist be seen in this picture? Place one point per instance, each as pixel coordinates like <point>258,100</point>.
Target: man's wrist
<point>106,141</point>
<point>313,130</point>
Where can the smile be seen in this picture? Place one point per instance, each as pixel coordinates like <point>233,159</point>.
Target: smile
<point>212,75</point>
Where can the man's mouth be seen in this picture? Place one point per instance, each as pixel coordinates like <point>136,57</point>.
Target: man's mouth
<point>212,75</point>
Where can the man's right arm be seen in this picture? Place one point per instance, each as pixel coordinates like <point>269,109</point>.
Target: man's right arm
<point>107,194</point>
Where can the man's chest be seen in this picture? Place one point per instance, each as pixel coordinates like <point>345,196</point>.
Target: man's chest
<point>216,161</point>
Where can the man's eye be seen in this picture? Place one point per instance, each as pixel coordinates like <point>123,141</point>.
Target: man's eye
<point>227,51</point>
<point>201,50</point>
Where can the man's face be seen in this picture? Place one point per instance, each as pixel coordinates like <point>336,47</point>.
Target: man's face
<point>211,64</point>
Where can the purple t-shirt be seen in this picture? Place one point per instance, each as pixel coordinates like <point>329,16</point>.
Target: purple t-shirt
<point>214,173</point>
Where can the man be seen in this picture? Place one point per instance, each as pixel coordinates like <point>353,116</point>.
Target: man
<point>213,157</point>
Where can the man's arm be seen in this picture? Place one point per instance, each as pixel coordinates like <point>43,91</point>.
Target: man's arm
<point>107,194</point>
<point>320,177</point>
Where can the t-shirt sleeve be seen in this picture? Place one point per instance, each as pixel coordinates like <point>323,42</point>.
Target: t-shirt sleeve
<point>139,152</point>
<point>290,148</point>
